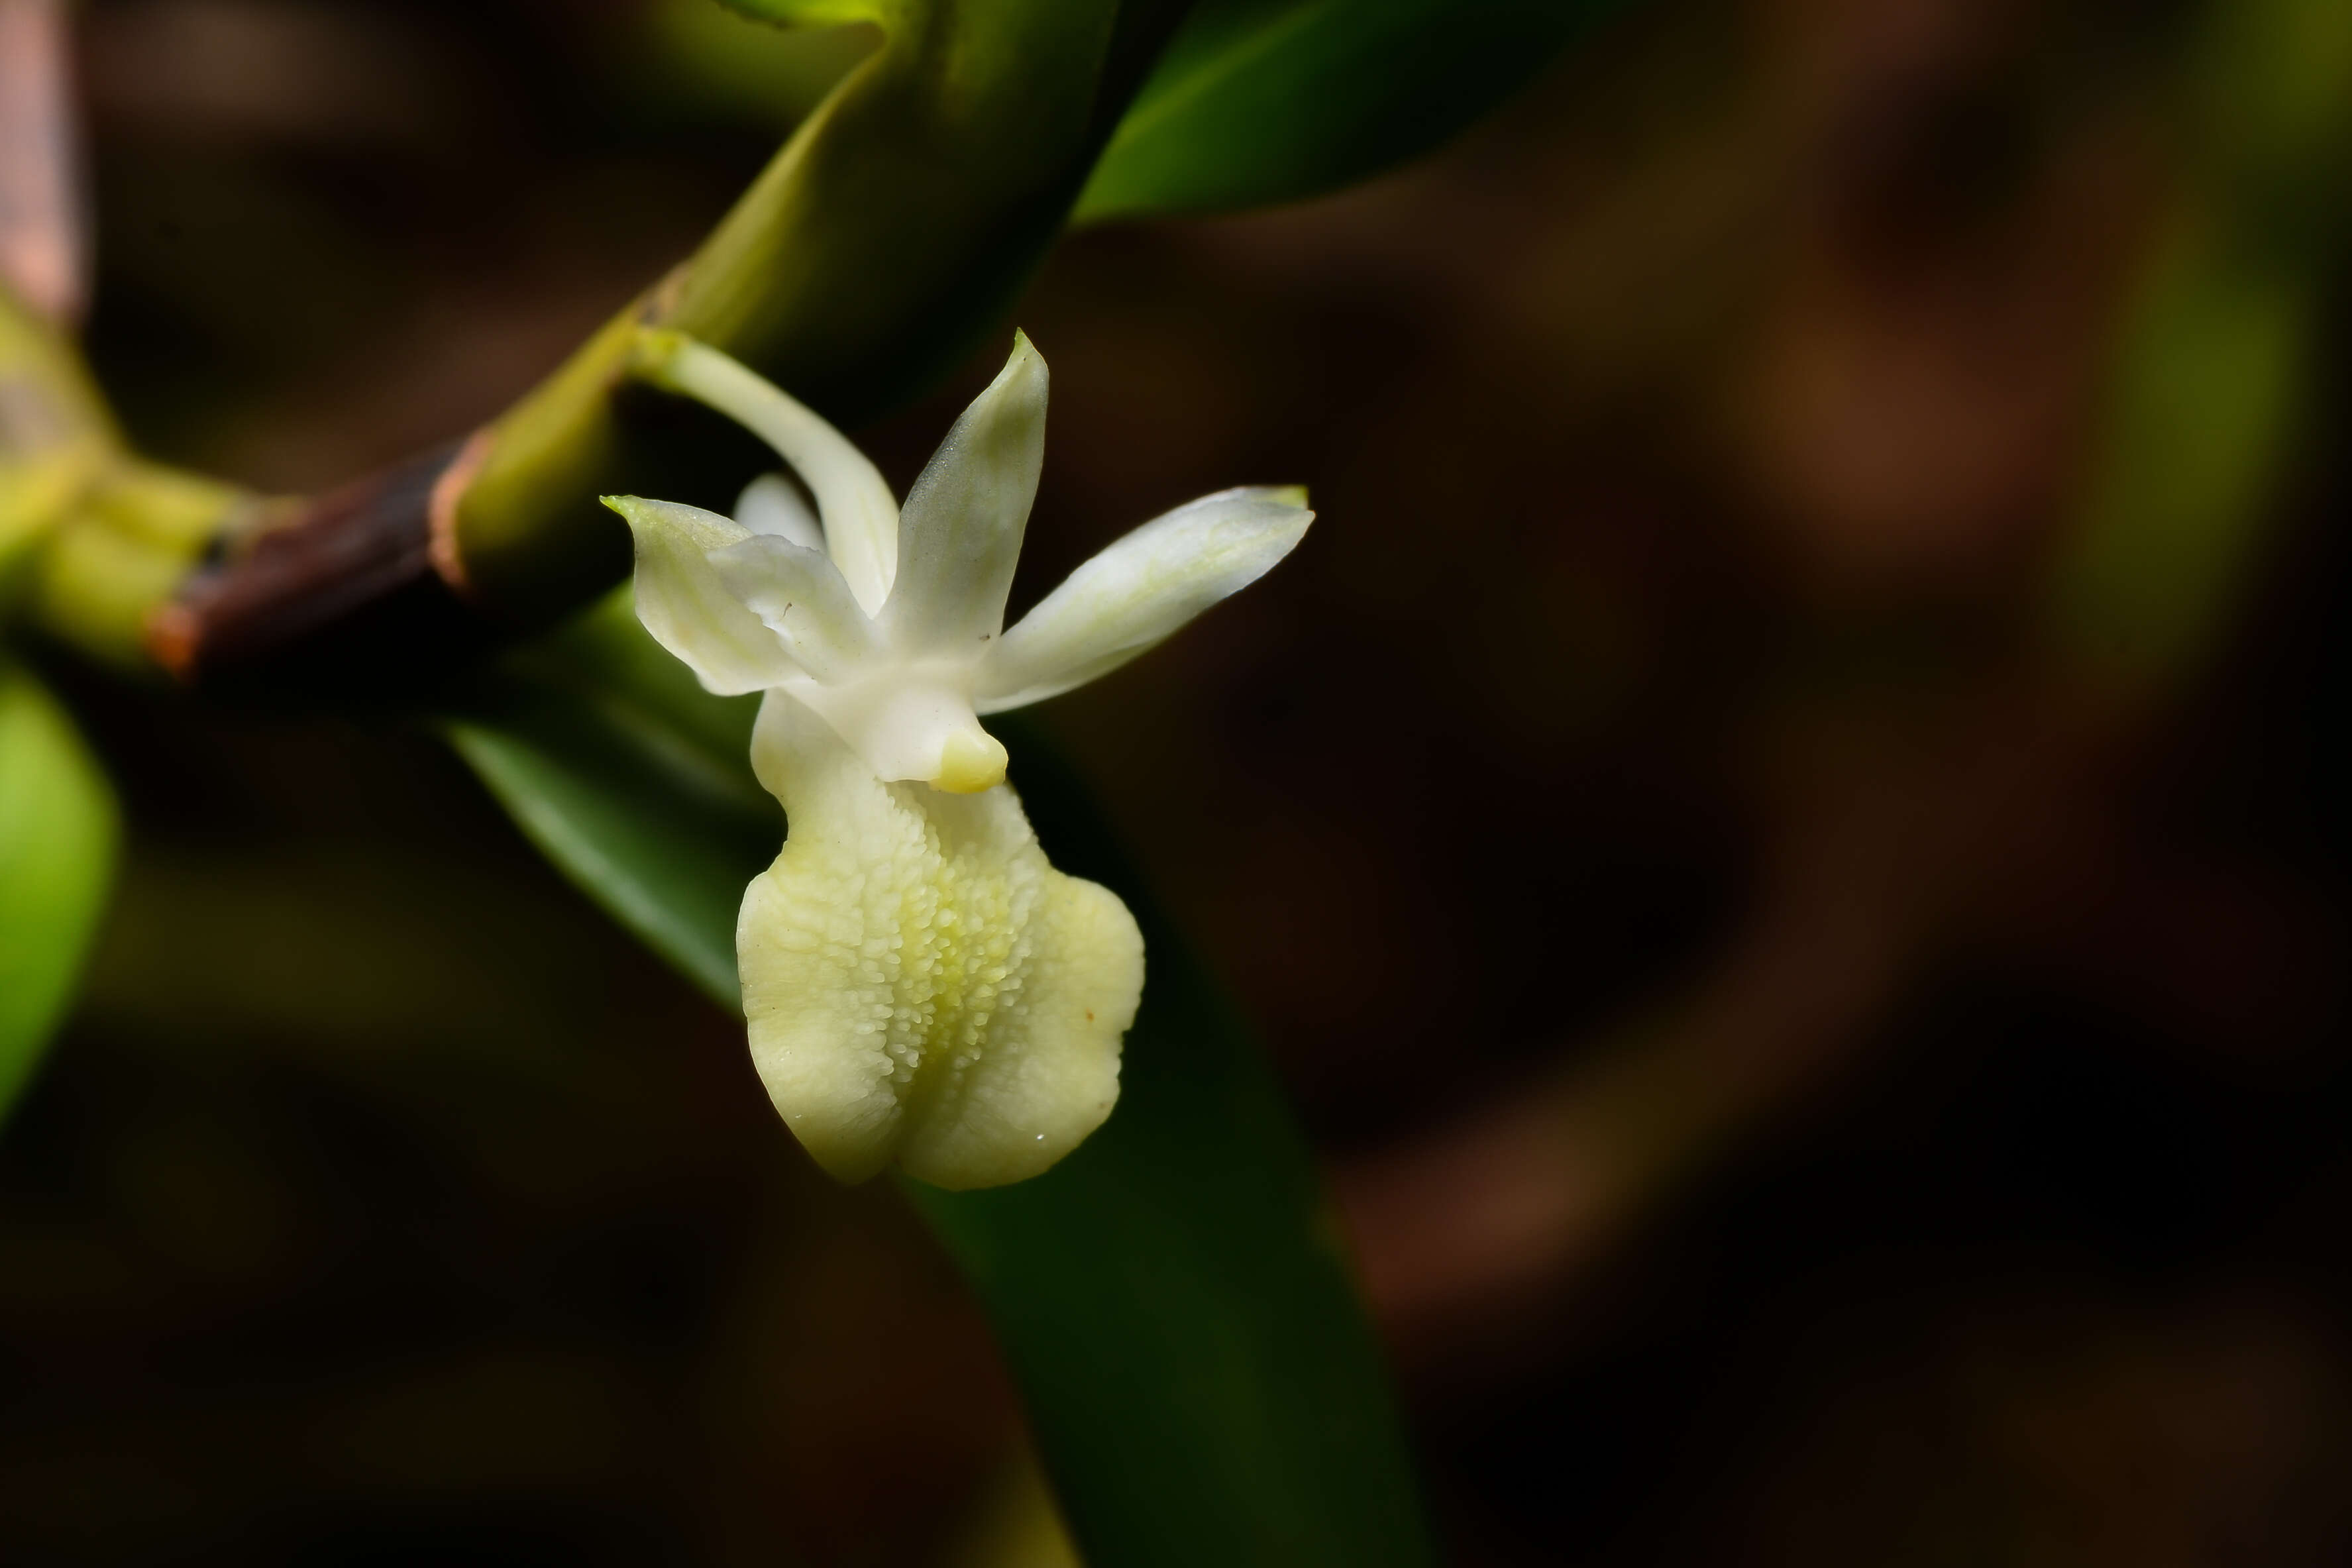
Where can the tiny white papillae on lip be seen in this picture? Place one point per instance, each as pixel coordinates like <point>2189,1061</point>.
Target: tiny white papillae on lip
<point>921,985</point>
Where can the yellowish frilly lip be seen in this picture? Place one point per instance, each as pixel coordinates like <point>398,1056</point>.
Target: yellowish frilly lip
<point>921,987</point>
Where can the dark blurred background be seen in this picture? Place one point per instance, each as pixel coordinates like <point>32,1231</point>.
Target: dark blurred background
<point>1826,1030</point>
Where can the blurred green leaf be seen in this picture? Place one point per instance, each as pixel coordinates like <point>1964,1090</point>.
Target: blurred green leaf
<point>1258,101</point>
<point>815,13</point>
<point>631,779</point>
<point>2201,418</point>
<point>1173,1298</point>
<point>725,61</point>
<point>58,832</point>
<point>2208,395</point>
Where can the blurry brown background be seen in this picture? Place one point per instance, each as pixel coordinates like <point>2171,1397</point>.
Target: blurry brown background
<point>1820,1069</point>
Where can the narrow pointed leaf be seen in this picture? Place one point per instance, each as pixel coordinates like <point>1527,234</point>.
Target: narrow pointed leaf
<point>1174,1297</point>
<point>1258,101</point>
<point>631,779</point>
<point>58,834</point>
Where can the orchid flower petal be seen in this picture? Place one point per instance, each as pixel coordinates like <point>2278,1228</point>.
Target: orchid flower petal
<point>798,594</point>
<point>773,505</point>
<point>960,531</point>
<point>861,521</point>
<point>688,606</point>
<point>1139,590</point>
<point>920,985</point>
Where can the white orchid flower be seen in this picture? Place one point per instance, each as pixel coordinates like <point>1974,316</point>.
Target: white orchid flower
<point>920,985</point>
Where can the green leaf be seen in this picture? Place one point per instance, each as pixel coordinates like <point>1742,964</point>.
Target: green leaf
<point>2201,416</point>
<point>721,60</point>
<point>58,834</point>
<point>1258,101</point>
<point>1173,1298</point>
<point>633,780</point>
